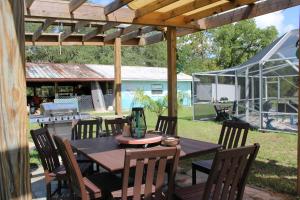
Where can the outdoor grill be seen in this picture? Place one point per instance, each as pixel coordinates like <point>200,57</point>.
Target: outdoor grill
<point>58,118</point>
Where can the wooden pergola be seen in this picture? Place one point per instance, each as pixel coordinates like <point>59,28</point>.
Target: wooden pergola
<point>121,22</point>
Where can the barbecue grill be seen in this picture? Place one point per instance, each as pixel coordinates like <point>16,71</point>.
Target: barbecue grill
<point>58,118</point>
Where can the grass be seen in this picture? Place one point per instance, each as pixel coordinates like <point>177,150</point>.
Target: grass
<point>275,167</point>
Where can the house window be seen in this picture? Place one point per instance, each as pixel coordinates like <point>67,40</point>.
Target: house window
<point>156,89</point>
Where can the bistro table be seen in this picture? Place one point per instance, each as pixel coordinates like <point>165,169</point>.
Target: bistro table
<point>109,154</point>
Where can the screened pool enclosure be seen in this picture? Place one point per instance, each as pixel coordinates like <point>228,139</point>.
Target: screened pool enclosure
<point>262,91</point>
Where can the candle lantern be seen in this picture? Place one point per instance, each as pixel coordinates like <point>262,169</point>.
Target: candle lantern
<point>138,123</point>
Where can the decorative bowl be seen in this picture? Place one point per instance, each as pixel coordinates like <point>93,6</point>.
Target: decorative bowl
<point>170,141</point>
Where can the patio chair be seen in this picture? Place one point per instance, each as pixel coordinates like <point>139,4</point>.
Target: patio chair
<point>97,186</point>
<point>151,164</point>
<point>115,126</point>
<point>228,176</point>
<point>221,113</point>
<point>233,134</point>
<point>87,129</point>
<point>166,125</point>
<point>53,170</point>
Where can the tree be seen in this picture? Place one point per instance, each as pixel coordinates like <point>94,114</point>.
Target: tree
<point>194,52</point>
<point>235,43</point>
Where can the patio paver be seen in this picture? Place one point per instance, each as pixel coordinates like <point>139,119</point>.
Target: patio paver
<point>182,179</point>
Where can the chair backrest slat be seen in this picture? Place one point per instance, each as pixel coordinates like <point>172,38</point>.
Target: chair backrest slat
<point>150,158</point>
<point>46,149</point>
<point>84,129</point>
<point>229,173</point>
<point>233,134</point>
<point>72,169</point>
<point>166,125</point>
<point>115,126</point>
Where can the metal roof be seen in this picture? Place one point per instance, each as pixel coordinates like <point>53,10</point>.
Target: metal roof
<point>90,72</point>
<point>61,72</point>
<point>138,73</point>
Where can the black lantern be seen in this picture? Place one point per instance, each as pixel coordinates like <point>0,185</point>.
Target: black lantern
<point>138,123</point>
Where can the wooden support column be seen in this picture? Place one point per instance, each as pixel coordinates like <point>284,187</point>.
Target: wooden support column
<point>14,159</point>
<point>118,82</point>
<point>172,75</point>
<point>298,149</point>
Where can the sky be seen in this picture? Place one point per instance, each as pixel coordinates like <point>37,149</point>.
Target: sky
<point>284,20</point>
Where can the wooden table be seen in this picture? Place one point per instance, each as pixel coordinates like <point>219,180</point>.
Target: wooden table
<point>107,152</point>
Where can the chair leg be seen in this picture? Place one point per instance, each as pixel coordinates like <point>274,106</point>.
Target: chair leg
<point>59,185</point>
<point>48,190</point>
<point>194,176</point>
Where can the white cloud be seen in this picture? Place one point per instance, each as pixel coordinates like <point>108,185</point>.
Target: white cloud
<point>274,19</point>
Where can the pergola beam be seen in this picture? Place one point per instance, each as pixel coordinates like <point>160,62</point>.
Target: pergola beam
<point>28,3</point>
<point>42,28</point>
<point>75,4</point>
<point>247,12</point>
<point>137,33</point>
<point>153,6</point>
<point>115,5</point>
<point>186,8</point>
<point>78,26</point>
<point>90,12</point>
<point>221,7</point>
<point>100,29</point>
<point>120,32</point>
<point>53,39</point>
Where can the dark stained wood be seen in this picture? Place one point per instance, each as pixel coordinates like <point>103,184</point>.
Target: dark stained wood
<point>87,129</point>
<point>233,134</point>
<point>227,180</point>
<point>102,150</point>
<point>94,187</point>
<point>115,126</point>
<point>166,125</point>
<point>152,157</point>
<point>14,156</point>
<point>53,170</point>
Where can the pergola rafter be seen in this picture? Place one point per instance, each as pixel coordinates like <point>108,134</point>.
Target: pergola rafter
<point>148,22</point>
<point>187,18</point>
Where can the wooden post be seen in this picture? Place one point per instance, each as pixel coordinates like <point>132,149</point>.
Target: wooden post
<point>118,82</point>
<point>14,160</point>
<point>172,75</point>
<point>298,149</point>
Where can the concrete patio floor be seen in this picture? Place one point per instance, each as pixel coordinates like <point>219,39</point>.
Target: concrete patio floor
<point>182,179</point>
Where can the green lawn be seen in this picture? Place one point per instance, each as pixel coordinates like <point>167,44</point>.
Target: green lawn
<point>275,167</point>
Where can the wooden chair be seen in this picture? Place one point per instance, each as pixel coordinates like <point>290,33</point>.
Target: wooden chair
<point>147,162</point>
<point>115,126</point>
<point>227,179</point>
<point>233,134</point>
<point>97,186</point>
<point>53,170</point>
<point>87,129</point>
<point>166,125</point>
